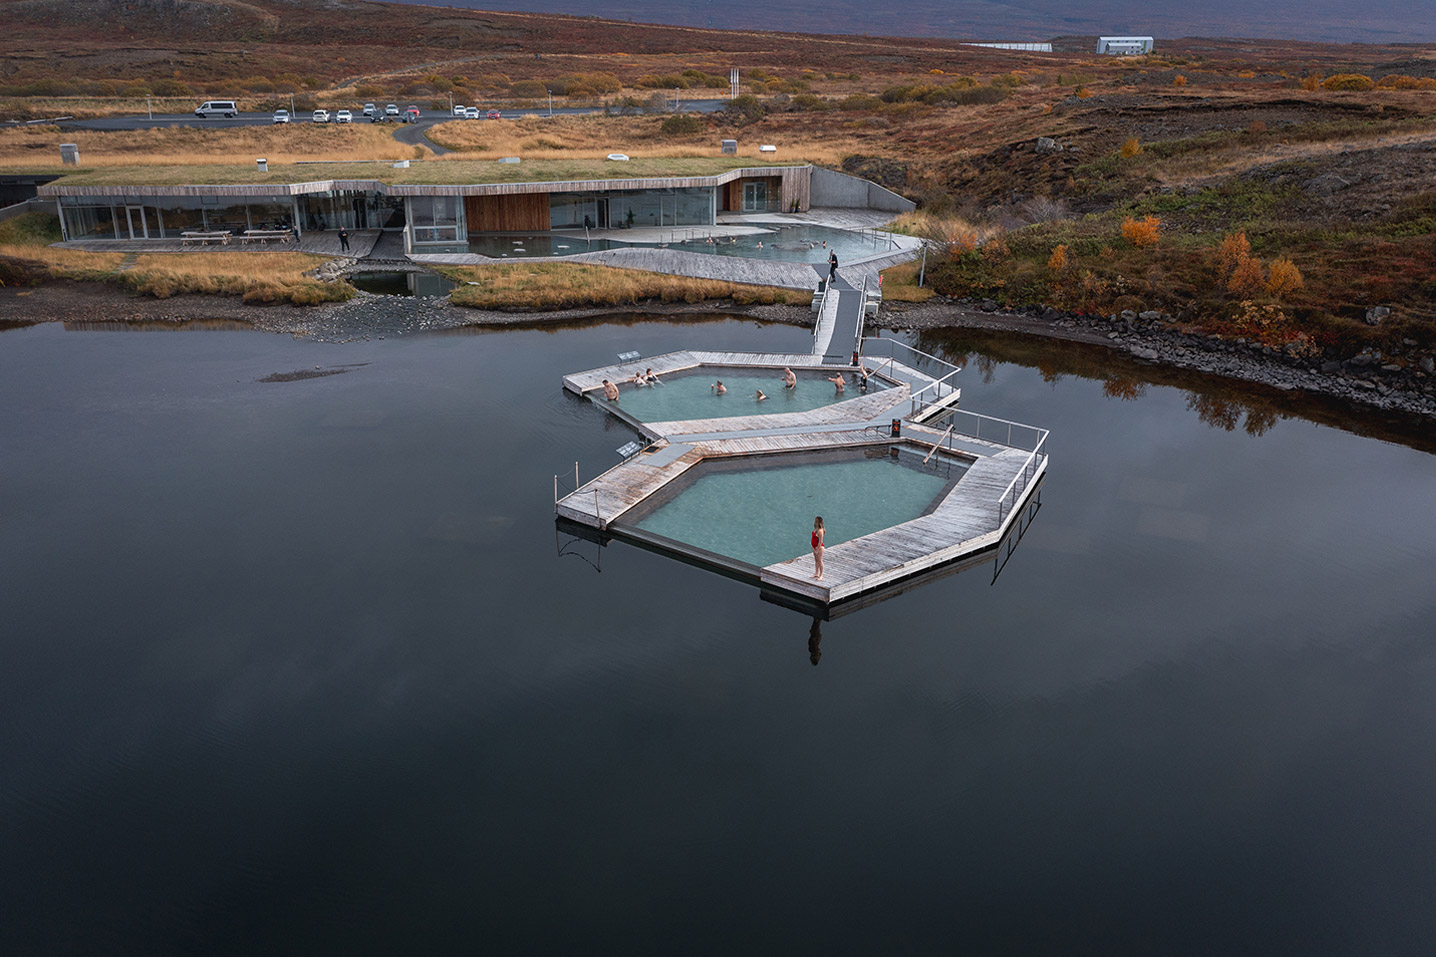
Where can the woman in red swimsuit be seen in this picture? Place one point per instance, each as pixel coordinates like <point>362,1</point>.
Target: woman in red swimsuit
<point>818,531</point>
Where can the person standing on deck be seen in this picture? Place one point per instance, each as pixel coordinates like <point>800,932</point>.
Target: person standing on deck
<point>832,265</point>
<point>818,532</point>
<point>343,239</point>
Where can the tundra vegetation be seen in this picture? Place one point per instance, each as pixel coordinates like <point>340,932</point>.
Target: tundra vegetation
<point>1092,184</point>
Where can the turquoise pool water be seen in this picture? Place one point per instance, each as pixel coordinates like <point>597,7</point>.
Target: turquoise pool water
<point>690,395</point>
<point>804,244</point>
<point>764,515</point>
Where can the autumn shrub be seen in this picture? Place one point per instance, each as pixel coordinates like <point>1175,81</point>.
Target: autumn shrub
<point>1232,250</point>
<point>1130,148</point>
<point>1179,80</point>
<point>1247,278</point>
<point>1283,277</point>
<point>1348,81</point>
<point>1311,81</point>
<point>682,124</point>
<point>530,89</point>
<point>1142,232</point>
<point>1396,81</point>
<point>1059,261</point>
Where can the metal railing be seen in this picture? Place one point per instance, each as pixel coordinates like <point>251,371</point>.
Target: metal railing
<point>1013,435</point>
<point>939,371</point>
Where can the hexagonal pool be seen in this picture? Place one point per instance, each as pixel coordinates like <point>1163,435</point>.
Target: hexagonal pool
<point>690,394</point>
<point>759,510</point>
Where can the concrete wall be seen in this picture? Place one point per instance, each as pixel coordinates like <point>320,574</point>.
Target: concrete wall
<point>831,188</point>
<point>32,205</point>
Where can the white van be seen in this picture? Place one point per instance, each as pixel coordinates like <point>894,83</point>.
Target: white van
<point>217,108</point>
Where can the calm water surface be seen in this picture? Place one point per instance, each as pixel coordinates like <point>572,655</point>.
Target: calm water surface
<point>298,667</point>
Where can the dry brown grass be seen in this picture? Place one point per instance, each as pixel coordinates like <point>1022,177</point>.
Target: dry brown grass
<point>189,146</point>
<point>539,286</point>
<point>66,263</point>
<point>594,137</point>
<point>900,284</point>
<point>258,277</point>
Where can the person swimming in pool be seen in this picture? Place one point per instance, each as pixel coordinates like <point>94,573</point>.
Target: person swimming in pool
<point>790,381</point>
<point>650,378</point>
<point>759,395</point>
<point>718,388</point>
<point>610,391</point>
<point>837,381</point>
<point>638,380</point>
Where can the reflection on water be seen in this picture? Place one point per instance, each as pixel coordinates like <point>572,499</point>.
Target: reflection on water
<point>303,662</point>
<point>152,325</point>
<point>1220,402</point>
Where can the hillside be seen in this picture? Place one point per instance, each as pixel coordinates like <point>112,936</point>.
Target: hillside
<point>1098,184</point>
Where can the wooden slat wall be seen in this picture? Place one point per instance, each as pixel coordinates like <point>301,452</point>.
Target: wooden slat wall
<point>512,214</point>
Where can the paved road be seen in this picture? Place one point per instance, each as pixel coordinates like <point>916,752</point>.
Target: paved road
<point>161,120</point>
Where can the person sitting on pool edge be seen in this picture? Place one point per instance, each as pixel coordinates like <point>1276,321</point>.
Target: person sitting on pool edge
<point>718,388</point>
<point>790,381</point>
<point>837,381</point>
<point>610,391</point>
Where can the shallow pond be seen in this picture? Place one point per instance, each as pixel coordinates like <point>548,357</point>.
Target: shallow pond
<point>300,662</point>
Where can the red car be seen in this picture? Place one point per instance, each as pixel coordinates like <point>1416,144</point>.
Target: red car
<point>411,115</point>
<point>494,115</point>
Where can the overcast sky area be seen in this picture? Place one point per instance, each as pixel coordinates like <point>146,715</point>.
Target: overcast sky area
<point>1334,21</point>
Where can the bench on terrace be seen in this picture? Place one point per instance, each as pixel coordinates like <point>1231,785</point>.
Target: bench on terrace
<point>265,235</point>
<point>205,238</point>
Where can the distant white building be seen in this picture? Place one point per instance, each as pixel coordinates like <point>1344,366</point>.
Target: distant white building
<point>1032,47</point>
<point>1125,46</point>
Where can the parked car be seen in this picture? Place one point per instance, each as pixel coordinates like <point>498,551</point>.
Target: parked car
<point>460,109</point>
<point>472,113</point>
<point>344,116</point>
<point>321,116</point>
<point>370,109</point>
<point>281,116</point>
<point>412,114</point>
<point>217,108</point>
<point>391,110</point>
<point>494,115</point>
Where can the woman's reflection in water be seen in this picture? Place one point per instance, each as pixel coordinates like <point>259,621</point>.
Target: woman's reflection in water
<point>815,638</point>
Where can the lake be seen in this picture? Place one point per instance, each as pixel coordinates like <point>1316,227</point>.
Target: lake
<point>303,665</point>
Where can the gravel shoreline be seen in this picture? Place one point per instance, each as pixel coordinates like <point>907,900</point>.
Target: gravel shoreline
<point>1368,378</point>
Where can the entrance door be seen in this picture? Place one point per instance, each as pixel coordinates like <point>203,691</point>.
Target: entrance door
<point>755,197</point>
<point>601,212</point>
<point>135,217</point>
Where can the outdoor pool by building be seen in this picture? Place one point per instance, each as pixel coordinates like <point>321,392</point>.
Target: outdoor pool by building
<point>760,511</point>
<point>809,244</point>
<point>691,394</point>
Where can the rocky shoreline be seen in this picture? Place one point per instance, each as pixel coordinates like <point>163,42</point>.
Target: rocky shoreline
<point>1368,378</point>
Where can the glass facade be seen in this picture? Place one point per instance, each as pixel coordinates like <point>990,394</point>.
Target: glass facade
<point>167,217</point>
<point>694,206</point>
<point>352,209</point>
<point>436,219</point>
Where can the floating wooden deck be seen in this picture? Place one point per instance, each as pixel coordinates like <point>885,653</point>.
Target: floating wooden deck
<point>971,518</point>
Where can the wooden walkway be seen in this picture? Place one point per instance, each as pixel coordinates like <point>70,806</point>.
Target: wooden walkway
<point>972,517</point>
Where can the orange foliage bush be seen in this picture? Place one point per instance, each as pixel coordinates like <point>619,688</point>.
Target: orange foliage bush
<point>1348,81</point>
<point>1311,82</point>
<point>1397,81</point>
<point>1247,278</point>
<point>1142,232</point>
<point>1130,148</point>
<point>1232,250</point>
<point>1059,260</point>
<point>1179,80</point>
<point>1283,277</point>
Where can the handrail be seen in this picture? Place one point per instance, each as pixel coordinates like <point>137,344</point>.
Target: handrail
<point>1029,468</point>
<point>938,444</point>
<point>862,316</point>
